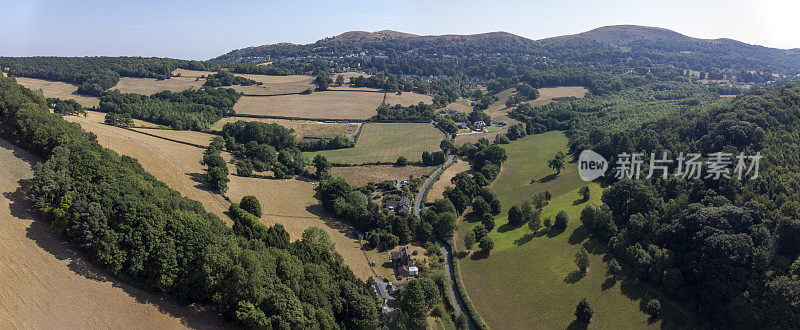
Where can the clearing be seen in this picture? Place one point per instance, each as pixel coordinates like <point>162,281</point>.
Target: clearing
<point>301,127</point>
<point>275,85</point>
<point>532,282</point>
<point>290,202</point>
<point>358,176</point>
<point>60,90</point>
<point>437,190</point>
<point>47,284</point>
<point>189,79</point>
<point>385,142</point>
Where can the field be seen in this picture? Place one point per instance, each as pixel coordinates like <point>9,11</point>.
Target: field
<point>45,284</point>
<point>328,104</point>
<point>290,202</point>
<point>301,127</point>
<point>192,137</point>
<point>360,175</point>
<point>58,89</point>
<point>437,189</point>
<point>532,282</point>
<point>272,85</point>
<point>380,142</point>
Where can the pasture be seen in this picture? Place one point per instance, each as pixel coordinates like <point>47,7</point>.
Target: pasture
<point>274,85</point>
<point>45,283</point>
<point>385,142</point>
<point>360,175</point>
<point>58,89</point>
<point>301,127</point>
<point>193,137</point>
<point>532,282</point>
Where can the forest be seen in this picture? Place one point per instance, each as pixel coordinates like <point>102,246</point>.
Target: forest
<point>148,235</point>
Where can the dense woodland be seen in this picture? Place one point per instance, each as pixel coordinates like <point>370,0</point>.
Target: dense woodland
<point>147,234</point>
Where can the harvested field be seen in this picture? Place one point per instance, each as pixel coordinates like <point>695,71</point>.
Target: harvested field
<point>147,86</point>
<point>383,142</point>
<point>474,137</point>
<point>59,89</point>
<point>329,105</point>
<point>46,284</point>
<point>301,127</point>
<point>191,73</point>
<point>437,190</point>
<point>360,175</point>
<point>198,138</point>
<point>547,94</point>
<point>290,202</point>
<point>407,99</point>
<point>274,85</point>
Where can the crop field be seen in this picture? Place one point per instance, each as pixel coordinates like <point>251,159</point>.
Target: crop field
<point>384,142</point>
<point>289,202</point>
<point>58,89</point>
<point>532,282</point>
<point>198,138</point>
<point>46,284</point>
<point>444,179</point>
<point>192,73</point>
<point>301,127</point>
<point>274,85</point>
<point>360,175</point>
<point>407,98</point>
<point>329,105</point>
<point>547,94</point>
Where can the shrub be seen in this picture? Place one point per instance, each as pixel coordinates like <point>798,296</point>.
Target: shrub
<point>653,307</point>
<point>584,311</point>
<point>401,161</point>
<point>251,205</point>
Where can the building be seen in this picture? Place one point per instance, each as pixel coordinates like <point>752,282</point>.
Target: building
<point>399,207</point>
<point>449,111</point>
<point>462,125</point>
<point>397,184</point>
<point>403,262</point>
<point>479,125</point>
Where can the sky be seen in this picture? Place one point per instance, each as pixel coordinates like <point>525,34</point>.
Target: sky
<point>203,29</point>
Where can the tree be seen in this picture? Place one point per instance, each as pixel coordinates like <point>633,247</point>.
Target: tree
<point>322,166</point>
<point>469,240</point>
<point>480,232</point>
<point>557,163</point>
<point>486,244</point>
<point>339,80</point>
<point>480,206</point>
<point>317,235</point>
<point>488,221</point>
<point>401,161</point>
<point>515,216</point>
<point>613,268</point>
<point>251,205</point>
<point>535,221</point>
<point>527,211</point>
<point>653,307</point>
<point>582,259</point>
<point>562,219</point>
<point>585,193</point>
<point>323,80</point>
<point>547,222</point>
<point>584,312</point>
<point>447,146</point>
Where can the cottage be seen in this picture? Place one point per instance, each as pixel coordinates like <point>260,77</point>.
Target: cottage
<point>403,263</point>
<point>449,111</point>
<point>462,125</point>
<point>479,125</point>
<point>399,207</point>
<point>399,185</point>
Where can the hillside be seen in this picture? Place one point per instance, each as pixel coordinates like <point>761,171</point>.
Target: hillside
<point>618,45</point>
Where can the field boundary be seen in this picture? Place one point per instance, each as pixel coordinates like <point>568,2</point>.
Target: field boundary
<point>473,313</point>
<point>164,138</point>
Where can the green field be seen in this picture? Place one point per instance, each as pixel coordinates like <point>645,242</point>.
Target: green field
<point>381,142</point>
<point>533,283</point>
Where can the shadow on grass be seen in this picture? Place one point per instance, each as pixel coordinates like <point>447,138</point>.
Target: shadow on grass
<point>554,231</point>
<point>461,254</point>
<point>548,178</point>
<point>523,239</point>
<point>506,227</point>
<point>574,276</point>
<point>608,283</point>
<point>478,255</point>
<point>578,235</point>
<point>579,201</point>
<point>577,325</point>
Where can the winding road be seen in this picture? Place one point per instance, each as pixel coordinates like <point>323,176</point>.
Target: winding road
<point>448,265</point>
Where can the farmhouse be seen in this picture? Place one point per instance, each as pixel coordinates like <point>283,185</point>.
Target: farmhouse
<point>479,125</point>
<point>397,184</point>
<point>449,111</point>
<point>399,207</point>
<point>403,263</point>
<point>461,125</point>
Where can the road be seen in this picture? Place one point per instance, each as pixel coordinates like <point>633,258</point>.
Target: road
<point>448,265</point>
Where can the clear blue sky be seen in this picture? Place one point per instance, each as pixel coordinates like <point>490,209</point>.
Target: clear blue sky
<point>203,29</point>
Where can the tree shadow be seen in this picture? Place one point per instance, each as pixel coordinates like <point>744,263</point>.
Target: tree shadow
<point>553,232</point>
<point>578,235</point>
<point>574,276</point>
<point>579,201</point>
<point>471,217</point>
<point>506,227</point>
<point>548,178</point>
<point>192,315</point>
<point>608,283</point>
<point>478,255</point>
<point>577,325</point>
<point>523,239</point>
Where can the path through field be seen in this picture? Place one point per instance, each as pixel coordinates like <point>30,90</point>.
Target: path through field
<point>45,284</point>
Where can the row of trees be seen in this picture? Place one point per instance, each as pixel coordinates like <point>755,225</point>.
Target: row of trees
<point>147,234</point>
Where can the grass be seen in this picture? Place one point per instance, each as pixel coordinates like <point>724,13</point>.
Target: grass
<point>437,190</point>
<point>381,142</point>
<point>360,175</point>
<point>147,86</point>
<point>274,85</point>
<point>532,282</point>
<point>301,127</point>
<point>59,89</point>
<point>197,138</point>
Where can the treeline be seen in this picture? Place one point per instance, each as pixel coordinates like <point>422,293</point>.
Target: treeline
<point>225,78</point>
<point>66,107</point>
<point>94,75</point>
<point>187,110</point>
<point>147,234</point>
<point>727,248</point>
<point>419,113</point>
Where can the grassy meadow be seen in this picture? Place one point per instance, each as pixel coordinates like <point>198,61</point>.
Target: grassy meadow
<point>383,142</point>
<point>533,282</point>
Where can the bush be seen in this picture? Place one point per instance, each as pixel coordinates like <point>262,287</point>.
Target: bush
<point>653,307</point>
<point>469,240</point>
<point>251,205</point>
<point>486,244</point>
<point>584,312</point>
<point>401,161</point>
